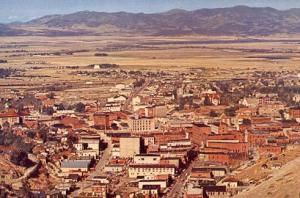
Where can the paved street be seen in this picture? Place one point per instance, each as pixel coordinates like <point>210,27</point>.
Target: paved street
<point>177,189</point>
<point>134,94</point>
<point>99,169</point>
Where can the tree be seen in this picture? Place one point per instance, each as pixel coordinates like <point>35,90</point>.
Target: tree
<point>80,107</point>
<point>191,155</point>
<point>139,195</point>
<point>61,107</point>
<point>246,121</point>
<point>6,126</point>
<point>212,113</point>
<point>230,112</point>
<point>281,112</point>
<point>43,131</point>
<point>207,101</point>
<point>31,134</point>
<point>51,95</point>
<point>48,110</point>
<point>20,158</point>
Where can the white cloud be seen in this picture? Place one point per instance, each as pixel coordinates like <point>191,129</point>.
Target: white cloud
<point>13,17</point>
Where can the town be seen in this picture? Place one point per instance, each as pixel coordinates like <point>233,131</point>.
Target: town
<point>194,133</point>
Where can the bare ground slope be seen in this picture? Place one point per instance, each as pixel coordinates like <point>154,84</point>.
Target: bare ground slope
<point>285,183</point>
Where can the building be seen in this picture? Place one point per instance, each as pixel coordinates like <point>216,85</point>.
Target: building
<point>194,192</point>
<point>75,165</point>
<point>141,124</point>
<point>151,191</point>
<point>143,170</point>
<point>112,107</point>
<point>114,168</point>
<point>162,183</point>
<point>95,191</point>
<point>294,112</point>
<point>101,119</point>
<point>119,99</point>
<point>89,143</point>
<point>269,149</point>
<point>146,159</point>
<point>11,117</point>
<point>216,191</point>
<point>129,146</point>
<point>156,111</point>
<point>199,132</point>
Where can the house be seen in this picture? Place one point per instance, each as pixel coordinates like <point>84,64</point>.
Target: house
<point>11,116</point>
<point>211,97</point>
<point>249,102</point>
<point>118,99</point>
<point>231,182</point>
<point>296,98</point>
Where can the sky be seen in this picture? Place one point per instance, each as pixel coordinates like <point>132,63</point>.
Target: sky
<point>25,10</point>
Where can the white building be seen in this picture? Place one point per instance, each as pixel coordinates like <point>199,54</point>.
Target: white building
<point>161,183</point>
<point>146,159</point>
<point>129,146</point>
<point>112,107</point>
<point>136,100</point>
<point>144,170</point>
<point>119,99</point>
<point>114,168</point>
<point>141,124</point>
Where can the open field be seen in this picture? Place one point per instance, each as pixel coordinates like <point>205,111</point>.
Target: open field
<point>155,52</point>
<point>45,61</point>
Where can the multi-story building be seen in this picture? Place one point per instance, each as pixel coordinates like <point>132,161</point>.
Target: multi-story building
<point>142,124</point>
<point>144,170</point>
<point>129,146</point>
<point>146,159</point>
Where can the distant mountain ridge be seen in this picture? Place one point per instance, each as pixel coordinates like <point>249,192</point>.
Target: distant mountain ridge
<point>239,20</point>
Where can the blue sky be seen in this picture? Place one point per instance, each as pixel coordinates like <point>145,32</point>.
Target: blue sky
<point>24,10</point>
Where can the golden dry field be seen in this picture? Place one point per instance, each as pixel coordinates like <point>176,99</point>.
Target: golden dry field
<point>156,52</point>
<point>44,59</point>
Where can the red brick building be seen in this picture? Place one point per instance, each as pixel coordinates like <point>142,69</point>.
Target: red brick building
<point>270,149</point>
<point>294,112</point>
<point>198,133</point>
<point>235,147</point>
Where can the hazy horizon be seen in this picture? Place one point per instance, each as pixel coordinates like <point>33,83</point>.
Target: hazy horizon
<point>25,10</point>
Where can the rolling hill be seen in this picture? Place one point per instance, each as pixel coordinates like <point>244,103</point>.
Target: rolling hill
<point>240,20</point>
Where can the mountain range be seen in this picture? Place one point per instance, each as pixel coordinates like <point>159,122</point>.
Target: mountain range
<point>239,20</point>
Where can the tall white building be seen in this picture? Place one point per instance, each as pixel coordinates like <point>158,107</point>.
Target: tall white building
<point>129,147</point>
<point>142,124</point>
